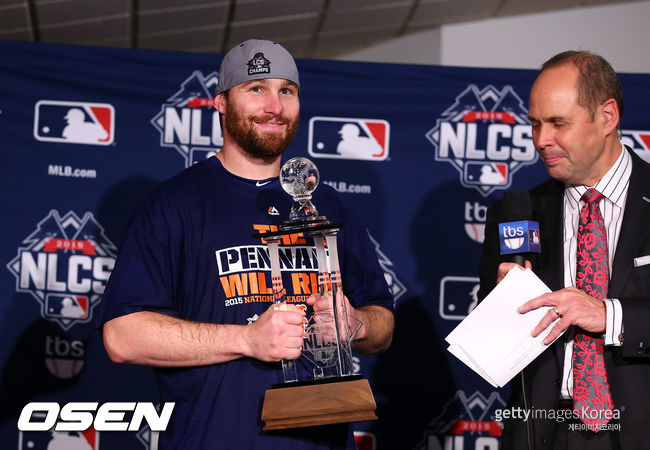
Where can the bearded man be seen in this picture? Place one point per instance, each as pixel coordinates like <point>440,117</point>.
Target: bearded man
<point>191,294</point>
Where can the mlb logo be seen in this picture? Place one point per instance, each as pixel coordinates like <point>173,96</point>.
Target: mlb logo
<point>53,440</point>
<point>58,440</point>
<point>62,306</point>
<point>347,138</point>
<point>485,173</point>
<point>74,122</point>
<point>458,296</point>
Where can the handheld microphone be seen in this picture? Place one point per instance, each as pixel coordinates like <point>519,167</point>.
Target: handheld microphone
<point>519,237</point>
<point>518,234</point>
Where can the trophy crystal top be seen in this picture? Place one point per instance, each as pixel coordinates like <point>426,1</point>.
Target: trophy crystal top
<point>299,177</point>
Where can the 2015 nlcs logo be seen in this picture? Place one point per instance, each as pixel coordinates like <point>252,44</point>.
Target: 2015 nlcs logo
<point>188,122</point>
<point>486,136</point>
<point>466,422</point>
<point>64,264</point>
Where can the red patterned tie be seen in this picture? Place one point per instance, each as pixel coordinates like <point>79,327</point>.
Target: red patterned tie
<point>591,396</point>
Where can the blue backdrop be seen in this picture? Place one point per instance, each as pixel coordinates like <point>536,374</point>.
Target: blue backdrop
<point>419,151</point>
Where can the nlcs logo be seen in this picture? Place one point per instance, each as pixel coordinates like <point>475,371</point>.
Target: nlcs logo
<point>486,136</point>
<point>65,264</point>
<point>475,427</point>
<point>188,121</point>
<point>74,122</point>
<point>346,138</point>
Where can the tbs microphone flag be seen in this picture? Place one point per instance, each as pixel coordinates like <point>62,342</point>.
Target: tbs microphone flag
<point>517,233</point>
<point>519,237</point>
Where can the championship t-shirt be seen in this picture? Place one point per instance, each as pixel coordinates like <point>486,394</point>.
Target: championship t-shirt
<point>189,253</point>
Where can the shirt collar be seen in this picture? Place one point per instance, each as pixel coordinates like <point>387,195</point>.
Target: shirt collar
<point>612,185</point>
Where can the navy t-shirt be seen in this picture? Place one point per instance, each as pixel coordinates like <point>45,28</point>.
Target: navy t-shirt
<point>189,253</point>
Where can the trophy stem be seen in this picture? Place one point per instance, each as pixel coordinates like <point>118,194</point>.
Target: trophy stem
<point>329,279</point>
<point>337,327</point>
<point>346,366</point>
<point>288,366</point>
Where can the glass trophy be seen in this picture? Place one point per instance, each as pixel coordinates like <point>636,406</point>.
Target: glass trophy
<point>325,383</point>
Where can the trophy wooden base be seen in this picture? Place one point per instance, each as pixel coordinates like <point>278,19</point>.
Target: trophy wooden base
<point>318,404</point>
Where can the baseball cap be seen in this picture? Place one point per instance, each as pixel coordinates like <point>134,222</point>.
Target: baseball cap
<point>256,59</point>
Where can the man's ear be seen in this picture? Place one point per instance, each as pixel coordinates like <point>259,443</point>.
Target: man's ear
<point>220,103</point>
<point>610,115</point>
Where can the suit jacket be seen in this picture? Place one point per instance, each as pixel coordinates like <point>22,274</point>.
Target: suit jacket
<point>628,366</point>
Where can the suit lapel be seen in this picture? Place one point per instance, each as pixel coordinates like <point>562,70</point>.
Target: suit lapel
<point>634,228</point>
<point>548,209</point>
<point>550,212</point>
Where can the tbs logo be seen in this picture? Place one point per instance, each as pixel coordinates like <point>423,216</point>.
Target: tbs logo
<point>63,358</point>
<point>475,215</point>
<point>188,122</point>
<point>64,264</point>
<point>74,122</point>
<point>346,138</point>
<point>486,136</point>
<point>519,237</point>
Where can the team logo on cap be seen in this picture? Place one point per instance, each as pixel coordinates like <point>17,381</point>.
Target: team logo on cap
<point>188,122</point>
<point>259,64</point>
<point>65,264</point>
<point>486,136</point>
<point>74,122</point>
<point>349,138</point>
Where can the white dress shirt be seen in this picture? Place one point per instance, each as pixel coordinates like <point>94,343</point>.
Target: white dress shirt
<point>614,187</point>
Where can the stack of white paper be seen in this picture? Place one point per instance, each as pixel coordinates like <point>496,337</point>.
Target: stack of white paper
<point>494,339</point>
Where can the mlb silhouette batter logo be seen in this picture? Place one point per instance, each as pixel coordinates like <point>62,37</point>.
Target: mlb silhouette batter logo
<point>66,306</point>
<point>458,297</point>
<point>486,174</point>
<point>348,138</point>
<point>53,440</point>
<point>74,122</point>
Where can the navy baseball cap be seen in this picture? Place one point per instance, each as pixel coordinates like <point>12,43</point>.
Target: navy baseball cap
<point>256,59</point>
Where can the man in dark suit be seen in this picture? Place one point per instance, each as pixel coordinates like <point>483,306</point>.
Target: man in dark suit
<point>575,106</point>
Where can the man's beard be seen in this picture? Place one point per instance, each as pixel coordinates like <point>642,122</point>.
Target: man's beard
<point>257,143</point>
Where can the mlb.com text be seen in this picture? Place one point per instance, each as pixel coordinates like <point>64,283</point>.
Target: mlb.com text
<point>342,186</point>
<point>58,170</point>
